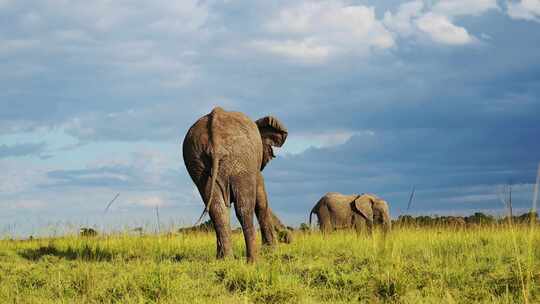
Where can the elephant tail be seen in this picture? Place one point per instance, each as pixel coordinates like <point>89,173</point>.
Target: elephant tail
<point>215,167</point>
<point>216,153</point>
<point>310,215</point>
<point>315,210</point>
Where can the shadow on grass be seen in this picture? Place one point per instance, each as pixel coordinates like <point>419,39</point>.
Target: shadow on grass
<point>85,253</point>
<point>96,254</point>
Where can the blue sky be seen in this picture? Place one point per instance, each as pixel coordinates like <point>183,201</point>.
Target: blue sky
<point>378,96</point>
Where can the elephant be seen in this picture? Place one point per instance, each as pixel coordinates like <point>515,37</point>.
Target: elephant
<point>224,153</point>
<point>88,232</point>
<point>338,211</point>
<point>284,233</point>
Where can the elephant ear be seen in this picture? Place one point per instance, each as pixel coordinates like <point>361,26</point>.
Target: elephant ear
<point>364,205</point>
<point>273,134</point>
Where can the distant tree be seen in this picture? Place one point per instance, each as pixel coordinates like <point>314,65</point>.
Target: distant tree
<point>480,218</point>
<point>526,217</point>
<point>406,220</point>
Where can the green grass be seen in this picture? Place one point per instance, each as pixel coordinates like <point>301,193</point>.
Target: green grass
<point>481,265</point>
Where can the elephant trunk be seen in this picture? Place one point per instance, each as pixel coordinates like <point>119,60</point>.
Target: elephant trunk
<point>310,215</point>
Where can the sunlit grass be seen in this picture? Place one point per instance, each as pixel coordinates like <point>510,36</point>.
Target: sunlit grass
<point>411,265</point>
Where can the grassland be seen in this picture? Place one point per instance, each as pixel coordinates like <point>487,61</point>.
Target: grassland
<point>480,265</point>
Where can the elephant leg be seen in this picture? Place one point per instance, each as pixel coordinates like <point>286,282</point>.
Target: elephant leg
<point>244,190</point>
<point>387,222</point>
<point>369,224</point>
<point>325,223</point>
<point>263,214</point>
<point>359,224</point>
<point>362,225</point>
<point>219,214</point>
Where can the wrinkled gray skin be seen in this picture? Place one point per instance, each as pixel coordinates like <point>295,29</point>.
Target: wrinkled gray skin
<point>338,211</point>
<point>224,153</point>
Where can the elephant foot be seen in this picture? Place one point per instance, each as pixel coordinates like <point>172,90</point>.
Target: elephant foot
<point>268,248</point>
<point>224,248</point>
<point>222,254</point>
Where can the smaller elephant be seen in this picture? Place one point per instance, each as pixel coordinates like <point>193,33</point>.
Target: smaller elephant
<point>338,211</point>
<point>202,227</point>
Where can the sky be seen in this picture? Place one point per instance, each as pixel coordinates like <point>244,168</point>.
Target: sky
<point>378,96</point>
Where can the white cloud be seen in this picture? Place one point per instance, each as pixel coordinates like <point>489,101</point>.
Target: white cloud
<point>124,39</point>
<point>20,176</point>
<point>150,201</point>
<point>298,143</point>
<point>525,9</point>
<point>415,19</point>
<point>307,50</point>
<point>401,21</point>
<point>317,31</point>
<point>181,16</point>
<point>4,3</point>
<point>162,116</point>
<point>109,16</point>
<point>16,45</point>
<point>464,7</point>
<point>72,36</point>
<point>473,198</point>
<point>442,30</point>
<point>30,19</point>
<point>29,204</point>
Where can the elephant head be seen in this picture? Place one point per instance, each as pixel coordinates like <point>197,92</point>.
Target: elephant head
<point>363,204</point>
<point>273,134</point>
<point>373,208</point>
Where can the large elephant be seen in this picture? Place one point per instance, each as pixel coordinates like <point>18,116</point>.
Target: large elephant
<point>224,153</point>
<point>338,211</point>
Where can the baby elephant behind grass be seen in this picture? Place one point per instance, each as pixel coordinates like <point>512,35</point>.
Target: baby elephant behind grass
<point>87,232</point>
<point>284,233</point>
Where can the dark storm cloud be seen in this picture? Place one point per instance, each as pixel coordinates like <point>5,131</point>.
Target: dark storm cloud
<point>443,165</point>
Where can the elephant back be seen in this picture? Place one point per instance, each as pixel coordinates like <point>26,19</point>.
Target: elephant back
<point>235,136</point>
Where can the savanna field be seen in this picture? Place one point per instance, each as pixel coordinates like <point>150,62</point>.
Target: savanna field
<point>495,264</point>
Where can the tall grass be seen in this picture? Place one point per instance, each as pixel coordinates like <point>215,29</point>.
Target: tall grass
<point>495,264</point>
